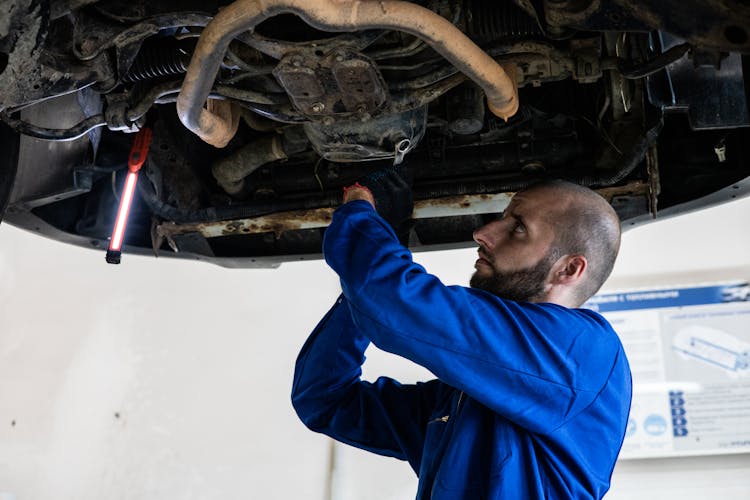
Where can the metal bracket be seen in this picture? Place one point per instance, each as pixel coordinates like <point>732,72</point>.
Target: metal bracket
<point>340,83</point>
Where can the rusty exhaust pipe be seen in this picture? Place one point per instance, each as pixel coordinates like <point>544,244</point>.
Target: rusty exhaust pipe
<point>499,84</point>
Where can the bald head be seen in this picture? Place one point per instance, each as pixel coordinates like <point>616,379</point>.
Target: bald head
<point>584,224</point>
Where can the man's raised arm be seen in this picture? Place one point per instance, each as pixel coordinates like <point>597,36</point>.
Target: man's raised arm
<point>384,417</point>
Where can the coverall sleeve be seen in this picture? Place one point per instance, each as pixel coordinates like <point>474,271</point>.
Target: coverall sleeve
<point>384,417</point>
<point>537,365</point>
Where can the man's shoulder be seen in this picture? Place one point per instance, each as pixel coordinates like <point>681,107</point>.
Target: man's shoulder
<point>546,315</point>
<point>585,325</point>
<point>585,316</point>
<point>552,312</point>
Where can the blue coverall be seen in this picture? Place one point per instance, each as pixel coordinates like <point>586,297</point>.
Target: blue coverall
<point>531,401</point>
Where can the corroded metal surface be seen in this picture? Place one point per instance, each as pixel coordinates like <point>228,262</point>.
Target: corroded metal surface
<point>281,222</point>
<point>229,113</point>
<point>635,188</point>
<point>231,171</point>
<point>339,83</point>
<point>277,223</point>
<point>338,15</point>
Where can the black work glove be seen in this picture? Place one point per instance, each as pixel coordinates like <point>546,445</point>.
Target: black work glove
<point>393,197</point>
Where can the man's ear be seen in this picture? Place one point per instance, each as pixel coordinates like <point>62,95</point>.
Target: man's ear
<point>568,269</point>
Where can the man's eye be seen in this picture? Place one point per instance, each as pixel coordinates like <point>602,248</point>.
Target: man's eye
<point>519,228</point>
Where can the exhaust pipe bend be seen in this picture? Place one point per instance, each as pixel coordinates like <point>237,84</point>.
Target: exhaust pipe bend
<point>499,84</point>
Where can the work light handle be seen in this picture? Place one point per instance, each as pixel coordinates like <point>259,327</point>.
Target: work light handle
<point>139,150</point>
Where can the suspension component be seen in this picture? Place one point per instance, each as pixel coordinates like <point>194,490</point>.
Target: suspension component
<point>498,82</point>
<point>465,109</point>
<point>491,21</point>
<point>156,60</point>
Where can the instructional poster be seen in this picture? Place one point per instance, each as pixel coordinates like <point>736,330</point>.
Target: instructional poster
<point>689,353</point>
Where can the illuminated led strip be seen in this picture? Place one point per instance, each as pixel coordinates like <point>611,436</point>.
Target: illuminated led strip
<point>126,200</point>
<point>137,156</point>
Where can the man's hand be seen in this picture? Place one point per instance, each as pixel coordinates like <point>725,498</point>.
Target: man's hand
<point>388,192</point>
<point>358,192</point>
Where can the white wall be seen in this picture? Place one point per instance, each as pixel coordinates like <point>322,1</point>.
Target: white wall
<point>153,379</point>
<point>169,379</point>
<point>702,247</point>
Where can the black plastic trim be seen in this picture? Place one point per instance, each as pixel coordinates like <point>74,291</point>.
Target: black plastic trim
<point>9,144</point>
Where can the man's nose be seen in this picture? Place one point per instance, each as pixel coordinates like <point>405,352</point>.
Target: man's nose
<point>483,236</point>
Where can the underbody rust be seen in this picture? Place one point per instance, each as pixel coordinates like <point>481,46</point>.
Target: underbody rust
<point>498,83</point>
<point>281,222</point>
<point>263,110</point>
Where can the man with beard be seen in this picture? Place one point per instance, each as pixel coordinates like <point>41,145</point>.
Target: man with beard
<point>533,393</point>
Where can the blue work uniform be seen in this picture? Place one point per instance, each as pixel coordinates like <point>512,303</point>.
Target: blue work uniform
<point>531,400</point>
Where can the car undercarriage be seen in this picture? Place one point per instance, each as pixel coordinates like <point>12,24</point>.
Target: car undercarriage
<point>263,110</point>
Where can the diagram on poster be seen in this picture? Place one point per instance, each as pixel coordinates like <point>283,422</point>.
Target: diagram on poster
<point>715,348</point>
<point>689,353</point>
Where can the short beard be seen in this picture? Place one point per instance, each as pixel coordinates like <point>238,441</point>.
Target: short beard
<point>521,285</point>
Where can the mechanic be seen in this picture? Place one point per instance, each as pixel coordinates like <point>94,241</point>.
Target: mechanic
<point>532,393</point>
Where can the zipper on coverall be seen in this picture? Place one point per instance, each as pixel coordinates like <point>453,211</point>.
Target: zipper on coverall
<point>444,419</point>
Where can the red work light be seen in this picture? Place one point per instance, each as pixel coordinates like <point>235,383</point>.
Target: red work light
<point>135,162</point>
